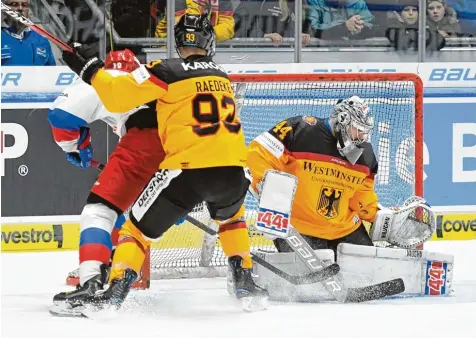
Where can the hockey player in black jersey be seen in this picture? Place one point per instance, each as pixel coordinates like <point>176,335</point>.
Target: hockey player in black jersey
<point>205,153</point>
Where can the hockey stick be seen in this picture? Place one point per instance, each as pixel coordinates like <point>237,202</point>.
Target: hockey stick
<point>201,226</point>
<point>335,285</point>
<point>34,27</point>
<point>311,278</point>
<point>98,165</point>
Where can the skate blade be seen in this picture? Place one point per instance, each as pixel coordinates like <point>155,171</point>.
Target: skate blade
<point>253,304</point>
<point>66,310</point>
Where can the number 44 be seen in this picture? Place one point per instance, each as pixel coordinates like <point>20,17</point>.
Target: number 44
<point>436,280</point>
<point>270,220</point>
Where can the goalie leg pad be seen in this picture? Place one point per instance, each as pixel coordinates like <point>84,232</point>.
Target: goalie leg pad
<point>280,289</point>
<point>423,272</point>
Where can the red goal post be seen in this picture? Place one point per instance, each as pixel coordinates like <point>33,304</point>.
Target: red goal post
<point>395,100</point>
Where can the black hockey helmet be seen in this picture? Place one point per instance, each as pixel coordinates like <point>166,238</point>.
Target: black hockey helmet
<point>195,31</point>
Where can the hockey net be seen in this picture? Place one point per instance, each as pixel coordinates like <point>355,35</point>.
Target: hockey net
<point>396,102</point>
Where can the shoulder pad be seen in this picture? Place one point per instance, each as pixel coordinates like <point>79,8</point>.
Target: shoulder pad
<point>159,69</point>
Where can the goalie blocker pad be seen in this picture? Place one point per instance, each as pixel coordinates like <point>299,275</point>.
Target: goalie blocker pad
<point>424,273</point>
<point>275,203</point>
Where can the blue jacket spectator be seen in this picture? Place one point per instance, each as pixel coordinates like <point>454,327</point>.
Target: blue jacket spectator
<point>20,45</point>
<point>337,19</point>
<point>466,10</point>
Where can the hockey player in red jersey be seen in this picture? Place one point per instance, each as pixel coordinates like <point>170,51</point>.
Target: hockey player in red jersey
<point>130,166</point>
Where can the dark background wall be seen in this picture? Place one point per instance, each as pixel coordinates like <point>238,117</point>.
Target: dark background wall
<point>52,185</point>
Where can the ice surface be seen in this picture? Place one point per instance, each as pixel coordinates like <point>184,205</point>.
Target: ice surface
<point>202,308</point>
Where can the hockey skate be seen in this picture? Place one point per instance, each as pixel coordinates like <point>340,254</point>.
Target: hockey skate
<point>115,294</point>
<point>70,303</point>
<point>89,288</point>
<point>240,283</point>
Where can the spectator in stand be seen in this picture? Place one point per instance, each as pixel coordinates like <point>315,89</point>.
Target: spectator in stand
<point>220,13</point>
<point>248,19</point>
<point>158,11</point>
<point>466,11</point>
<point>340,19</point>
<point>269,19</point>
<point>20,45</point>
<point>404,16</point>
<point>402,30</point>
<point>382,10</point>
<point>402,25</point>
<point>442,18</point>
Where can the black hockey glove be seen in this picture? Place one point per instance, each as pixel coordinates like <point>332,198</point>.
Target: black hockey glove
<point>84,61</point>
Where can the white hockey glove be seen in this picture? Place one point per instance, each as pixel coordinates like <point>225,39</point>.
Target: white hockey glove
<point>406,227</point>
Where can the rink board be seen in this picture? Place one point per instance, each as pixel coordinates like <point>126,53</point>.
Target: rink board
<point>62,232</point>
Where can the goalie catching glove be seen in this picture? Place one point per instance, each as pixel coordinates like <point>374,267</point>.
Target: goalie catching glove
<point>406,227</point>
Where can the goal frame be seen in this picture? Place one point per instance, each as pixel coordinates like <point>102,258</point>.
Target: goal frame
<point>144,282</point>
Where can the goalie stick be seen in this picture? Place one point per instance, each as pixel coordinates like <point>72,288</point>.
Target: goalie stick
<point>335,285</point>
<point>311,278</point>
<point>34,27</point>
<point>324,275</point>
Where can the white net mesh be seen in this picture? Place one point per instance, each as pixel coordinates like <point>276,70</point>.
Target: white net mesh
<point>261,105</point>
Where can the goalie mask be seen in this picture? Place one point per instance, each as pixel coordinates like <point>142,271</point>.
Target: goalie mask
<point>195,31</point>
<point>352,124</point>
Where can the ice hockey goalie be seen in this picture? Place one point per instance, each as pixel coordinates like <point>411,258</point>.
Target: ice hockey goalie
<point>335,166</point>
